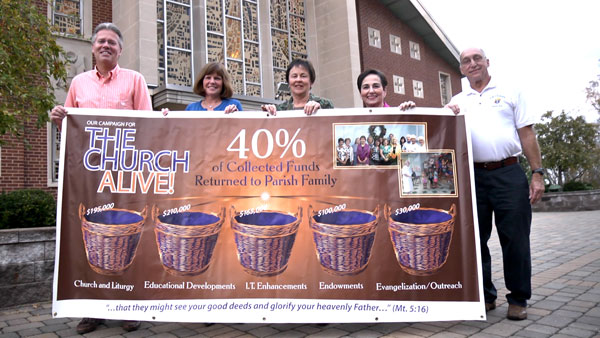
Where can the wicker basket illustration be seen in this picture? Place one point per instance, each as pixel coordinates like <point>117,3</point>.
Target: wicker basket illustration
<point>265,239</point>
<point>186,240</point>
<point>421,238</point>
<point>111,238</point>
<point>344,239</point>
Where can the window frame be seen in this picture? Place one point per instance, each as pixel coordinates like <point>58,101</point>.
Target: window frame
<point>394,77</point>
<point>53,149</point>
<point>414,54</point>
<point>166,48</point>
<point>418,83</point>
<point>53,13</point>
<point>392,45</point>
<point>244,41</point>
<point>376,40</point>
<point>284,94</point>
<point>448,89</point>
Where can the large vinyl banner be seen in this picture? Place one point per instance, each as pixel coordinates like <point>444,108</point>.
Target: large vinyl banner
<point>207,217</point>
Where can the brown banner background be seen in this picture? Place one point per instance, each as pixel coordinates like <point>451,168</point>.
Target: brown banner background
<point>207,140</point>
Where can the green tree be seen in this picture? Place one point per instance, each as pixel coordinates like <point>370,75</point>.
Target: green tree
<point>568,146</point>
<point>593,93</point>
<point>593,96</point>
<point>30,59</point>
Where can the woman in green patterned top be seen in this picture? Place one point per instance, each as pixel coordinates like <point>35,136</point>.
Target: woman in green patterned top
<point>300,75</point>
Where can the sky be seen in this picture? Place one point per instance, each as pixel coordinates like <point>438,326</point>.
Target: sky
<point>550,49</point>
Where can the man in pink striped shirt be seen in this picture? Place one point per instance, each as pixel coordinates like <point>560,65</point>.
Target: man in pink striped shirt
<point>111,87</point>
<point>108,85</point>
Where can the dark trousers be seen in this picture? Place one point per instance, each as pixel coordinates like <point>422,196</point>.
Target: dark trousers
<point>504,192</point>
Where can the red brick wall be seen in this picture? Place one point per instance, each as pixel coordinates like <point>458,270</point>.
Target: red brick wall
<point>12,175</point>
<point>24,167</point>
<point>101,12</point>
<point>372,13</point>
<point>36,156</point>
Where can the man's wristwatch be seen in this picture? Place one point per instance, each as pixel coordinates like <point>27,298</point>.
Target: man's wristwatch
<point>538,171</point>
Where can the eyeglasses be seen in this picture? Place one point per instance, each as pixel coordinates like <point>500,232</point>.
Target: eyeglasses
<point>476,58</point>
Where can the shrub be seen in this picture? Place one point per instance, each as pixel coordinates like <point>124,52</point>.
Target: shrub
<point>576,186</point>
<point>27,209</point>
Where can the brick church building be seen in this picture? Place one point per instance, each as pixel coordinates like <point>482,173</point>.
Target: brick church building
<point>169,41</point>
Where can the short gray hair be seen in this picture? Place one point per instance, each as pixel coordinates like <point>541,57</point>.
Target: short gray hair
<point>108,26</point>
<point>480,50</point>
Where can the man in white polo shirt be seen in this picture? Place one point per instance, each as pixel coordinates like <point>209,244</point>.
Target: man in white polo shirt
<point>501,129</point>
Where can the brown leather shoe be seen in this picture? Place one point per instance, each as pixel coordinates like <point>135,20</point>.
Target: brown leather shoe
<point>88,325</point>
<point>490,306</point>
<point>130,325</point>
<point>516,312</point>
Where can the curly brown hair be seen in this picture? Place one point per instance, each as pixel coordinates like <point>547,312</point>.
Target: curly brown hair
<point>214,68</point>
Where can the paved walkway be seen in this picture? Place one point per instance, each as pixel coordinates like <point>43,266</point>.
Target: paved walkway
<point>565,302</point>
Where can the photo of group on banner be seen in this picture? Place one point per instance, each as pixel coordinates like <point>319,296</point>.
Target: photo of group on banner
<point>381,147</point>
<point>428,173</point>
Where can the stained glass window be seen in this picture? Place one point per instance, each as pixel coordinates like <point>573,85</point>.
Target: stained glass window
<point>297,7</point>
<point>250,21</point>
<point>279,76</point>
<point>174,31</point>
<point>160,9</point>
<point>232,38</point>
<point>251,62</point>
<point>214,16</point>
<point>279,14</point>
<point>288,32</point>
<point>179,67</point>
<point>215,48</point>
<point>253,90</point>
<point>281,49</point>
<point>178,26</point>
<point>232,7</point>
<point>160,28</point>
<point>67,16</point>
<point>297,34</point>
<point>236,71</point>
